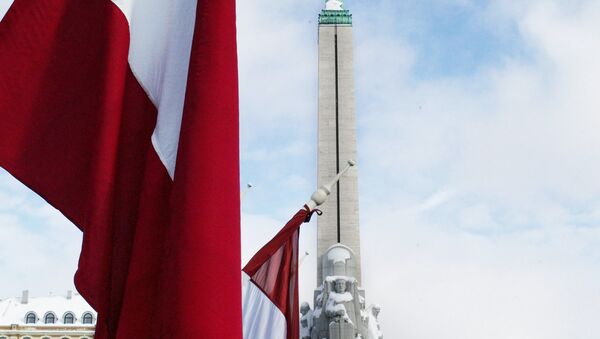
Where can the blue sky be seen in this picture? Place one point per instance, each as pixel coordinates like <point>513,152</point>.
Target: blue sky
<point>478,159</point>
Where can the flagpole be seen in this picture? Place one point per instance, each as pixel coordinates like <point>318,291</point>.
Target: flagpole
<point>306,254</point>
<point>320,196</point>
<point>245,191</point>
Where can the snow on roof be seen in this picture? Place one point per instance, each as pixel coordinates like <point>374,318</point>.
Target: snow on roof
<point>12,311</point>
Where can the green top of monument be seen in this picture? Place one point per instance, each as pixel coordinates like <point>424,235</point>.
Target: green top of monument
<point>335,14</point>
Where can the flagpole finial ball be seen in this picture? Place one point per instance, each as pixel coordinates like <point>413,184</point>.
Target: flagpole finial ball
<point>352,163</point>
<point>320,196</point>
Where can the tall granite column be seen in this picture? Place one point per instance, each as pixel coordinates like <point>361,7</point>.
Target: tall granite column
<point>337,133</point>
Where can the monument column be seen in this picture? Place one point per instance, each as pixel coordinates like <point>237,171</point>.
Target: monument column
<point>339,300</point>
<point>337,133</point>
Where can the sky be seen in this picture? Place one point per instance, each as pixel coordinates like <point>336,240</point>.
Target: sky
<point>478,164</point>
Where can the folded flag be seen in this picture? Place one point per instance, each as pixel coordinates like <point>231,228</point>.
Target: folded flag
<point>123,115</point>
<point>271,309</point>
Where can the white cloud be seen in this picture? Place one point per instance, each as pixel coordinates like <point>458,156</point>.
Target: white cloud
<point>435,280</point>
<point>436,200</point>
<point>511,255</point>
<point>476,217</point>
<point>39,247</point>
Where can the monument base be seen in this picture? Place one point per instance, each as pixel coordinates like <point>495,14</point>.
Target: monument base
<point>340,311</point>
<point>341,330</point>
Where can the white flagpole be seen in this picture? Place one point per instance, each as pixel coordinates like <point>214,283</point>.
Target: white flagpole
<point>306,254</point>
<point>245,191</point>
<point>321,195</point>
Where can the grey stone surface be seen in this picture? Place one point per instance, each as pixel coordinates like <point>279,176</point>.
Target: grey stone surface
<point>342,139</point>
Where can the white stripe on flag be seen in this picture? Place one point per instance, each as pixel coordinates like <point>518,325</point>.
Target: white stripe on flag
<point>161,33</point>
<point>159,55</point>
<point>262,319</point>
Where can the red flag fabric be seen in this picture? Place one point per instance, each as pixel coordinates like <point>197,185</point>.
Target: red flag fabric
<point>99,100</point>
<point>271,307</point>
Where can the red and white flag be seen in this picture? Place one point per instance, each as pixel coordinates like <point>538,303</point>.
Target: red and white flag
<point>271,308</point>
<point>123,115</point>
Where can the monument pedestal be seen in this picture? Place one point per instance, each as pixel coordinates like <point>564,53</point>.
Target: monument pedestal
<point>341,330</point>
<point>340,311</point>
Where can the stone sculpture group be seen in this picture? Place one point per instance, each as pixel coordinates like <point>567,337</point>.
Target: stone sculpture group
<point>340,311</point>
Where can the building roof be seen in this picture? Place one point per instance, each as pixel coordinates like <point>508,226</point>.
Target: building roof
<point>13,311</point>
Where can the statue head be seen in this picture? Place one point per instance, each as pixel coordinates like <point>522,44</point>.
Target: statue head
<point>340,285</point>
<point>375,309</point>
<point>304,308</point>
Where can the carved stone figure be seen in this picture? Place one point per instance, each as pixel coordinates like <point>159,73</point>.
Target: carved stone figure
<point>374,330</point>
<point>319,330</point>
<point>306,321</point>
<point>340,303</point>
<point>340,311</point>
<point>375,309</point>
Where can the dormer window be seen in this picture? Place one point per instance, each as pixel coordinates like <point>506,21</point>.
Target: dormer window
<point>49,318</point>
<point>69,318</point>
<point>30,318</point>
<point>88,318</point>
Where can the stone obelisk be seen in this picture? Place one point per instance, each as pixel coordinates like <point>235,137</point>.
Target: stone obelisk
<point>340,309</point>
<point>337,133</point>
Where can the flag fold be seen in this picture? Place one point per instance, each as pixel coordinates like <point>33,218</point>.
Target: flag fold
<point>271,308</point>
<point>124,116</point>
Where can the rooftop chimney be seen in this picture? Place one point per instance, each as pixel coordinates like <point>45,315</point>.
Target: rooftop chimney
<point>69,294</point>
<point>25,297</point>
